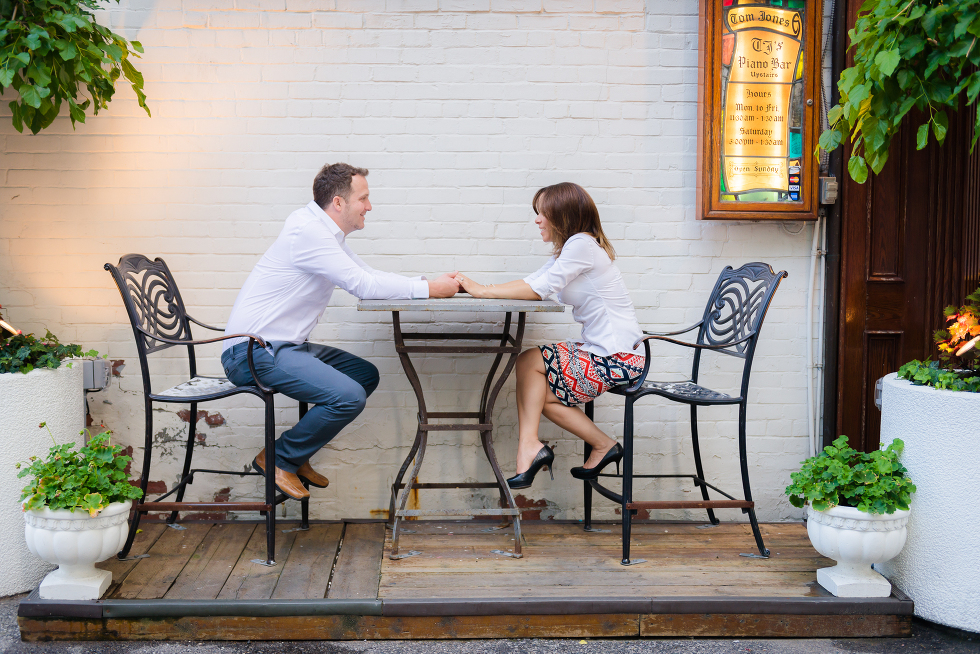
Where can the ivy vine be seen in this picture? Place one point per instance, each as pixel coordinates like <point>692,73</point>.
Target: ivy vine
<point>52,52</point>
<point>908,54</point>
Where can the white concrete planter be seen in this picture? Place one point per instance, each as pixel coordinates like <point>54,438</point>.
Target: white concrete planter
<point>52,396</point>
<point>75,542</point>
<point>938,568</point>
<point>855,540</point>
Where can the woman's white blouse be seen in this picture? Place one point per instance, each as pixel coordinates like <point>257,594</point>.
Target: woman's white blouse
<point>585,277</point>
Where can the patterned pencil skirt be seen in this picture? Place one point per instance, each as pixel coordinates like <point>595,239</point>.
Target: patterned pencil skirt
<point>577,376</point>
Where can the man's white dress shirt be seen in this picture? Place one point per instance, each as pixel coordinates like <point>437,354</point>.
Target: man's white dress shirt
<point>585,277</point>
<point>289,288</point>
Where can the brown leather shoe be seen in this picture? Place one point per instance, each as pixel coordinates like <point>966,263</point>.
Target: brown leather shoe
<point>287,482</point>
<point>311,476</point>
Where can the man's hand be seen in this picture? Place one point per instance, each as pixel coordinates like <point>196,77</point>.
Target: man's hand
<point>444,285</point>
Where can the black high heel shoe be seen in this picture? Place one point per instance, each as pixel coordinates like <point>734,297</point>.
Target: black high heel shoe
<point>544,457</point>
<point>615,453</point>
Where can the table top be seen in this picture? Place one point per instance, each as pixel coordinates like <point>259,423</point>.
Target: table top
<point>461,304</point>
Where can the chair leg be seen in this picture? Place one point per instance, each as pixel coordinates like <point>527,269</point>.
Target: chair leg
<point>627,478</point>
<point>188,455</point>
<point>304,504</point>
<point>586,486</point>
<point>743,460</point>
<point>144,478</point>
<point>270,479</point>
<point>697,461</point>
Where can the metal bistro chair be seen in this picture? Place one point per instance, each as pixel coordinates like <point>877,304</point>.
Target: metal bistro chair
<point>730,325</point>
<point>160,321</point>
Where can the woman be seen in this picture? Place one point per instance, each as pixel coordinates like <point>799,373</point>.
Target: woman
<point>554,379</point>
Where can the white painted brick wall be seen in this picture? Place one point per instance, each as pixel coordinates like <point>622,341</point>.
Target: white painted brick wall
<point>462,109</point>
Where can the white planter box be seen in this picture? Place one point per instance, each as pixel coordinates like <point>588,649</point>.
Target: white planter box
<point>939,566</point>
<point>52,396</point>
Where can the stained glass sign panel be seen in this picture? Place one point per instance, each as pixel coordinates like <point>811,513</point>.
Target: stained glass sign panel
<point>758,88</point>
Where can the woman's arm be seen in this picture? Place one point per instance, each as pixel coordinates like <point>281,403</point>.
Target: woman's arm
<point>515,290</point>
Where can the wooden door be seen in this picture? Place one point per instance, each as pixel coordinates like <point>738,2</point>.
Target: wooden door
<point>909,246</point>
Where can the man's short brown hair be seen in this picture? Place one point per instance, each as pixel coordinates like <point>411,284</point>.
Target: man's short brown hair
<point>333,180</point>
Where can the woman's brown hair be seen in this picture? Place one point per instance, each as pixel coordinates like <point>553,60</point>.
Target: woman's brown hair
<point>569,210</point>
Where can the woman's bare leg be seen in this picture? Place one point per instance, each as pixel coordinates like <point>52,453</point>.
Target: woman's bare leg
<point>574,420</point>
<point>532,390</point>
<point>534,398</point>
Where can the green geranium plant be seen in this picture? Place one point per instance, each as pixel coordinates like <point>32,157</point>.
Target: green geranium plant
<point>23,353</point>
<point>920,54</point>
<point>873,482</point>
<point>50,50</point>
<point>90,478</point>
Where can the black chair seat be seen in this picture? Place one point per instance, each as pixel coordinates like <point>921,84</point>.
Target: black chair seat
<point>685,391</point>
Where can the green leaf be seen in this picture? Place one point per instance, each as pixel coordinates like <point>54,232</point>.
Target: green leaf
<point>830,139</point>
<point>887,60</point>
<point>857,168</point>
<point>6,77</point>
<point>940,124</point>
<point>30,96</point>
<point>922,136</point>
<point>834,114</point>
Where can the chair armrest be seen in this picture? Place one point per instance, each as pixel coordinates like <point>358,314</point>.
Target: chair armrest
<point>174,341</point>
<point>699,346</point>
<point>198,322</point>
<point>657,337</point>
<point>252,338</point>
<point>682,331</point>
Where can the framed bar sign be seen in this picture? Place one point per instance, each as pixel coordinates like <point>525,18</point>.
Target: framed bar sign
<point>758,90</point>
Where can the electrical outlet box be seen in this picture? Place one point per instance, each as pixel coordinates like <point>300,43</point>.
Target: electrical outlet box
<point>96,374</point>
<point>828,190</point>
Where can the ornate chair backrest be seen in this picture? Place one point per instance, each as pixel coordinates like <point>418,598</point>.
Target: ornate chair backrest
<point>154,305</point>
<point>736,309</point>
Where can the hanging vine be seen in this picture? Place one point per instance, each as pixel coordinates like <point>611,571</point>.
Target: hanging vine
<point>920,54</point>
<point>53,52</point>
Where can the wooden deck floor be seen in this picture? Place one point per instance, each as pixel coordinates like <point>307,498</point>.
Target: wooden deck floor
<point>336,581</point>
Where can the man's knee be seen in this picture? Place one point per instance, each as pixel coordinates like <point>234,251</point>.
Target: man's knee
<point>372,377</point>
<point>351,400</point>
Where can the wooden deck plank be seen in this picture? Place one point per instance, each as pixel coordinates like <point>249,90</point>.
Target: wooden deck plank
<point>153,576</point>
<point>250,580</point>
<point>357,573</point>
<point>209,567</point>
<point>516,592</point>
<point>734,625</point>
<point>349,627</point>
<point>306,573</point>
<point>145,538</point>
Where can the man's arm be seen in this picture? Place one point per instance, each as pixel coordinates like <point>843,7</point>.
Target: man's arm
<point>315,250</point>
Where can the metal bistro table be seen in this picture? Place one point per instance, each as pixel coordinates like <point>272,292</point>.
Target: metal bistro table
<point>506,345</point>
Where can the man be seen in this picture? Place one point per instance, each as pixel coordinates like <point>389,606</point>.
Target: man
<point>284,298</point>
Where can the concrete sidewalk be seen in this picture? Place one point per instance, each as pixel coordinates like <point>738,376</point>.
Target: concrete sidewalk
<point>925,638</point>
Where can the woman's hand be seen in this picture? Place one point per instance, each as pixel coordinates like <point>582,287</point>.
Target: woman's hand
<point>515,290</point>
<point>470,286</point>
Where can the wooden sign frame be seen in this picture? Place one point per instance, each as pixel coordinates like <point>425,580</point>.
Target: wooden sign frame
<point>710,133</point>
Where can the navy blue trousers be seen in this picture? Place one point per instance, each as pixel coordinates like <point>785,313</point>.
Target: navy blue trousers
<point>335,383</point>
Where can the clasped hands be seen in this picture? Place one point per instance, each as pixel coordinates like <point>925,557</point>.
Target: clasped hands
<point>448,284</point>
